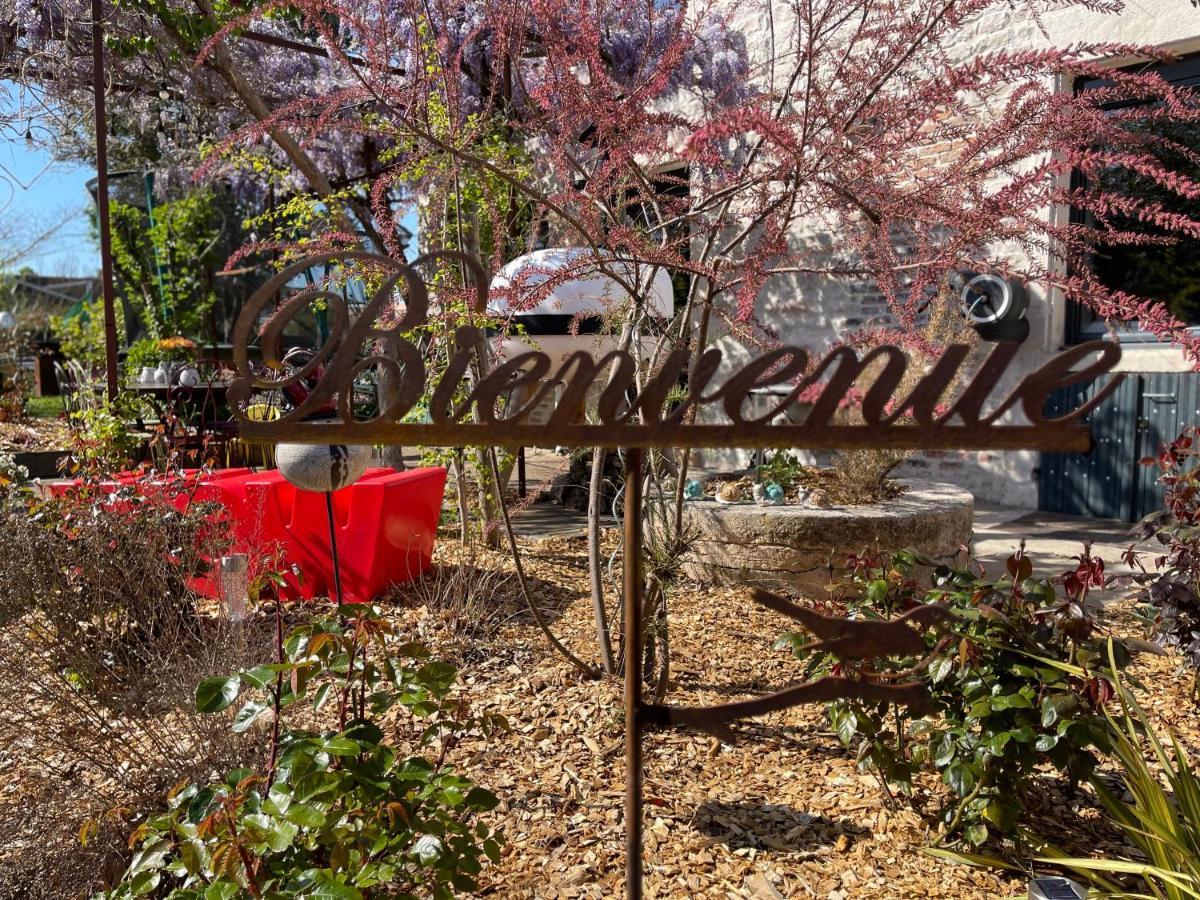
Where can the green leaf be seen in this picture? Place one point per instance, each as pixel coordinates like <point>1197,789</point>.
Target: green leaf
<point>479,798</point>
<point>341,746</point>
<point>945,751</point>
<point>846,724</point>
<point>877,592</point>
<point>1055,707</point>
<point>193,856</point>
<point>941,668</point>
<point>279,798</point>
<point>305,815</point>
<point>248,715</point>
<point>980,708</point>
<point>144,882</point>
<point>221,890</point>
<point>427,849</point>
<point>977,834</point>
<point>216,694</point>
<point>1011,701</point>
<point>281,836</point>
<point>1046,742</point>
<point>322,695</point>
<point>960,778</point>
<point>328,886</point>
<point>259,677</point>
<point>1002,815</point>
<point>969,859</point>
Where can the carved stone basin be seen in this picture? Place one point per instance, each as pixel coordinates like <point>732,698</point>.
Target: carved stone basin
<point>789,547</point>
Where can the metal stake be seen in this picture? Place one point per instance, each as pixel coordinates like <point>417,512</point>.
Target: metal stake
<point>337,574</point>
<point>106,272</point>
<point>633,673</point>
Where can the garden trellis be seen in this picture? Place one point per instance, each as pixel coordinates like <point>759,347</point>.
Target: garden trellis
<point>639,419</point>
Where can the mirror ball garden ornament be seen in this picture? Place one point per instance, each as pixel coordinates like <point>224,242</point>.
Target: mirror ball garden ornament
<point>635,416</point>
<point>323,469</point>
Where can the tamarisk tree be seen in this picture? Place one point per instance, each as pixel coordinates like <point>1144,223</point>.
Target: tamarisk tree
<point>740,146</point>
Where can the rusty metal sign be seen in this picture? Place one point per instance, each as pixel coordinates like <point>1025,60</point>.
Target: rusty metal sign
<point>635,418</point>
<point>625,414</point>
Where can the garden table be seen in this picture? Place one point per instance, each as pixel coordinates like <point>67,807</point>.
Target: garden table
<point>180,399</point>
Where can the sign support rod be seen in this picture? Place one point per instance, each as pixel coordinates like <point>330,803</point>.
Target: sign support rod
<point>633,672</point>
<point>106,273</point>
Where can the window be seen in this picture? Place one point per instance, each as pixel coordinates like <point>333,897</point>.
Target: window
<point>1171,273</point>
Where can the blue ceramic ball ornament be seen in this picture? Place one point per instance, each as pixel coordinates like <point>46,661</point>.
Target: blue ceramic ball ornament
<point>322,468</point>
<point>693,490</point>
<point>774,493</point>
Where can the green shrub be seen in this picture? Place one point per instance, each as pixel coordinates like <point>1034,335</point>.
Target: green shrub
<point>1018,681</point>
<point>335,813</point>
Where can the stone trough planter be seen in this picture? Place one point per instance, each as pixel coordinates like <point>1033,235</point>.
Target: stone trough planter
<point>788,547</point>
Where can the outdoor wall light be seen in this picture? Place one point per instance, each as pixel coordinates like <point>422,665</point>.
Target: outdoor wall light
<point>995,306</point>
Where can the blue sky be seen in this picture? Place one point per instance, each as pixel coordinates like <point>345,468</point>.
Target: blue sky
<point>34,188</point>
<point>36,191</point>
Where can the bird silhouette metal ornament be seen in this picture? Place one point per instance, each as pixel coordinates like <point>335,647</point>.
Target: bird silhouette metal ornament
<point>693,398</point>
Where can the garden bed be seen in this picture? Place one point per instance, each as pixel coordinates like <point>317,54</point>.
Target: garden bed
<point>781,813</point>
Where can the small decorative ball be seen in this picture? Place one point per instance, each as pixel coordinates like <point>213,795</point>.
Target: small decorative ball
<point>322,468</point>
<point>820,499</point>
<point>774,493</point>
<point>693,489</point>
<point>729,492</point>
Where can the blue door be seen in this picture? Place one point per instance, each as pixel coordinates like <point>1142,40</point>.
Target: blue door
<point>1145,412</point>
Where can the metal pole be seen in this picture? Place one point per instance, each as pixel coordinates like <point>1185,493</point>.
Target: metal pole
<point>106,275</point>
<point>633,673</point>
<point>337,571</point>
<point>158,269</point>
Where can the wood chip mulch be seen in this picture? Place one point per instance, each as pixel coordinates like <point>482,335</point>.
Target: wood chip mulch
<point>782,813</point>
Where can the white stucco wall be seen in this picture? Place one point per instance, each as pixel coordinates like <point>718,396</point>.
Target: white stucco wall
<point>809,312</point>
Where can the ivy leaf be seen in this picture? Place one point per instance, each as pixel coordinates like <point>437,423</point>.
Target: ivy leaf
<point>216,694</point>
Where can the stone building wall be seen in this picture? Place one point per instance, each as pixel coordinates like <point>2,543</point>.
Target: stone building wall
<point>810,313</point>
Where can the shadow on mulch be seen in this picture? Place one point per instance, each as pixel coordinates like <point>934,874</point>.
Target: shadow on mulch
<point>772,826</point>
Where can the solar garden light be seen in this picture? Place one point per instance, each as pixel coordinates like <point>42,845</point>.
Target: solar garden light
<point>1055,887</point>
<point>323,469</point>
<point>235,570</point>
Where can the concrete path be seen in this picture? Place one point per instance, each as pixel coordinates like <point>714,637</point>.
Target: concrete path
<point>1051,539</point>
